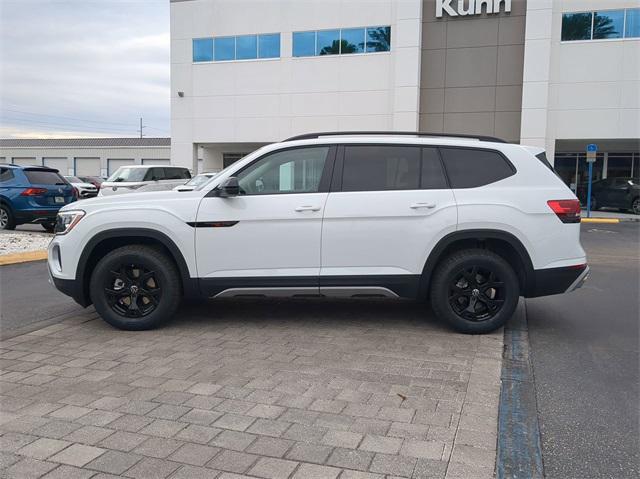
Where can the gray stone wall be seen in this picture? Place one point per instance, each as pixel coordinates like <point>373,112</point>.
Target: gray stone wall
<point>471,79</point>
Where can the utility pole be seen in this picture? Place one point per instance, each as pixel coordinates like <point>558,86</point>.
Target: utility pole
<point>141,127</point>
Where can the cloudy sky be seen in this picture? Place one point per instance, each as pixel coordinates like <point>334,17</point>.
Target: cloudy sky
<point>83,68</point>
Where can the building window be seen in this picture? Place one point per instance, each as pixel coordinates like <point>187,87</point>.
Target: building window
<point>632,26</point>
<point>202,49</point>
<point>341,42</point>
<point>241,47</point>
<point>609,24</point>
<point>601,25</point>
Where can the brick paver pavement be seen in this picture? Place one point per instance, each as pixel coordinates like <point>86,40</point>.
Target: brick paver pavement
<point>252,389</point>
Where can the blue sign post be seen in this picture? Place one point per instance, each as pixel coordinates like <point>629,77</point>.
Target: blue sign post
<point>592,149</point>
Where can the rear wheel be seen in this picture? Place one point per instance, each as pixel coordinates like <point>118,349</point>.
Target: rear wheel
<point>49,227</point>
<point>135,288</point>
<point>6,218</point>
<point>475,291</point>
<point>635,206</point>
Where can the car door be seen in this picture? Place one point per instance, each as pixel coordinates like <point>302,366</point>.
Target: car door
<point>618,195</point>
<point>388,206</point>
<point>266,240</point>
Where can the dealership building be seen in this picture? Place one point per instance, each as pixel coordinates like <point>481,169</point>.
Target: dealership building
<point>554,73</point>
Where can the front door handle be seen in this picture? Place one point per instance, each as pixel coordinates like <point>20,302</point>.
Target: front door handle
<point>416,206</point>
<point>308,208</point>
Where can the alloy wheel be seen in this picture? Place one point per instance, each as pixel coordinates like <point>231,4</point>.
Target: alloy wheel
<point>476,294</point>
<point>132,291</point>
<point>4,218</point>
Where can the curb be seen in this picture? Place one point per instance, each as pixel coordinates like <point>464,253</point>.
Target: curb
<point>25,257</point>
<point>519,445</point>
<point>609,220</point>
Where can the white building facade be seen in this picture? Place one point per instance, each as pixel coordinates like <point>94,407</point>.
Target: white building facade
<point>554,73</point>
<point>86,156</point>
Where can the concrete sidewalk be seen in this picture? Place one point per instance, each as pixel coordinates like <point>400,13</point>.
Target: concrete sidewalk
<point>264,389</point>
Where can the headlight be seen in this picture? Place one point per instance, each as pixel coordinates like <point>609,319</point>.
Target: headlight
<point>66,220</point>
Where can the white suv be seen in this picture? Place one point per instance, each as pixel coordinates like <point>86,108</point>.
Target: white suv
<point>471,223</point>
<point>128,179</point>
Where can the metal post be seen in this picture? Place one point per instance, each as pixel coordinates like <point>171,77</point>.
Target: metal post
<point>589,190</point>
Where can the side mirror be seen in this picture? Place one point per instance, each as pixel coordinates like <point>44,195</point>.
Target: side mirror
<point>229,188</point>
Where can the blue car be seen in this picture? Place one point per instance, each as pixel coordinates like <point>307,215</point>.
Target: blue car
<point>32,194</point>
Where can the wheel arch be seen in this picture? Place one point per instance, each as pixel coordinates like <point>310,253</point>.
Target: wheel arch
<point>106,241</point>
<point>500,242</point>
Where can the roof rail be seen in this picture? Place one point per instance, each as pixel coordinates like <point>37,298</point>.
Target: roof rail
<point>309,136</point>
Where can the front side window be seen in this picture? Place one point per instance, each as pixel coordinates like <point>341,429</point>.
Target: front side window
<point>128,174</point>
<point>297,170</point>
<point>155,174</point>
<point>471,168</point>
<point>608,24</point>
<point>576,26</point>
<point>381,168</point>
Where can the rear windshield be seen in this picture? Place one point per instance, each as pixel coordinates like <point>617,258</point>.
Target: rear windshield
<point>40,177</point>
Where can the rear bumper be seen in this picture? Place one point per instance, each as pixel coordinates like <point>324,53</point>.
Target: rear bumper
<point>36,216</point>
<point>547,282</point>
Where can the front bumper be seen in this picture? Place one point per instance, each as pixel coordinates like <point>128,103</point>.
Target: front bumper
<point>70,287</point>
<point>547,282</point>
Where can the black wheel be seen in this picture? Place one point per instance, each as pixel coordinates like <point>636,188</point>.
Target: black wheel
<point>6,218</point>
<point>49,227</point>
<point>475,291</point>
<point>635,206</point>
<point>135,288</point>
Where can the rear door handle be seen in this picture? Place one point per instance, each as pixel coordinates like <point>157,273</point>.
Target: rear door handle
<point>416,206</point>
<point>308,208</point>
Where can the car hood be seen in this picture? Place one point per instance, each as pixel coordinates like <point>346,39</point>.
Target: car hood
<point>139,199</point>
<point>83,185</point>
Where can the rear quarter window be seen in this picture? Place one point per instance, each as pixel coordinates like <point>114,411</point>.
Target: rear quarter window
<point>471,168</point>
<point>6,174</point>
<point>40,177</point>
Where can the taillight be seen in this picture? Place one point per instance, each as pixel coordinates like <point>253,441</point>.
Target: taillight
<point>567,210</point>
<point>33,192</point>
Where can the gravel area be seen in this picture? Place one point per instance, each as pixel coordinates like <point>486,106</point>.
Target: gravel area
<point>20,242</point>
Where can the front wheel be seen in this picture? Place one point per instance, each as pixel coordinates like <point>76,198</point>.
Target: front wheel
<point>635,206</point>
<point>475,291</point>
<point>49,227</point>
<point>135,288</point>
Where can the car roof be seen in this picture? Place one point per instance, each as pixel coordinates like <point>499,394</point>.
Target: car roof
<point>154,166</point>
<point>28,167</point>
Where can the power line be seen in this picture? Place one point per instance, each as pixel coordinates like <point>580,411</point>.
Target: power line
<point>65,117</point>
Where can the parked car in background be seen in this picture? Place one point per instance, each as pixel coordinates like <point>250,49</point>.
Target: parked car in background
<point>128,179</point>
<point>621,193</point>
<point>94,180</point>
<point>31,194</point>
<point>84,189</point>
<point>196,181</point>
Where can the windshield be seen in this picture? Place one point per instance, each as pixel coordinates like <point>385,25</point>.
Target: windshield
<point>125,173</point>
<point>199,180</point>
<point>74,179</point>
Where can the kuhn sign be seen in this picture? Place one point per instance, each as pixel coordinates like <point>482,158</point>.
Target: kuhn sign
<point>470,7</point>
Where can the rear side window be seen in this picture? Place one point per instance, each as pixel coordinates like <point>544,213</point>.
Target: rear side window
<point>176,174</point>
<point>543,158</point>
<point>40,177</point>
<point>5,174</point>
<point>470,168</point>
<point>379,168</point>
<point>432,177</point>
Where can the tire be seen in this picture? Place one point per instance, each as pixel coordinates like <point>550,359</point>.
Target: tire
<point>635,206</point>
<point>49,227</point>
<point>7,222</point>
<point>454,286</point>
<point>595,204</point>
<point>131,302</point>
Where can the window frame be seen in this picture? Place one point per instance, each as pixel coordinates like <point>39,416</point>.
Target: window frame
<point>338,171</point>
<point>325,178</point>
<point>235,48</point>
<point>624,36</point>
<point>340,29</point>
